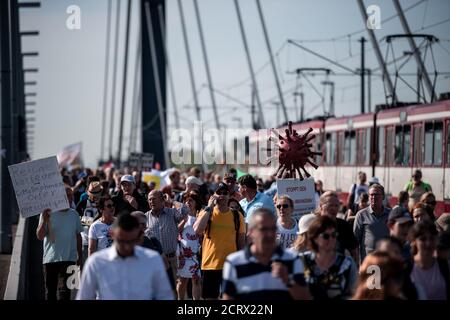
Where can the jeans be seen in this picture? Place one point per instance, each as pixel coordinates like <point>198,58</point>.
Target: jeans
<point>56,279</point>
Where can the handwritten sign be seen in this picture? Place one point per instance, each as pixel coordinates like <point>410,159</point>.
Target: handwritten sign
<point>141,161</point>
<point>38,185</point>
<point>301,192</point>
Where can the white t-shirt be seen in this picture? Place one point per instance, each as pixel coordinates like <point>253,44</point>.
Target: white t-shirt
<point>286,237</point>
<point>101,232</point>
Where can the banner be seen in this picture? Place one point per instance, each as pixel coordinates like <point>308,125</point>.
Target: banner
<point>301,192</point>
<point>160,178</point>
<point>70,156</point>
<point>38,185</point>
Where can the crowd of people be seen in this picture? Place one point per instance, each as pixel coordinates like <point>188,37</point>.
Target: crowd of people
<point>208,236</point>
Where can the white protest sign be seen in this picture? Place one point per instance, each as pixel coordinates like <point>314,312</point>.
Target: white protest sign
<point>301,192</point>
<point>38,185</point>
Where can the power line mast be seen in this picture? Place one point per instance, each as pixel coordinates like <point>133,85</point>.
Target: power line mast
<point>415,51</point>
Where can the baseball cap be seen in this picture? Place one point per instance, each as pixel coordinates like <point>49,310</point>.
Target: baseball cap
<point>304,222</point>
<point>398,214</point>
<point>221,187</point>
<point>229,176</point>
<point>194,180</point>
<point>128,178</point>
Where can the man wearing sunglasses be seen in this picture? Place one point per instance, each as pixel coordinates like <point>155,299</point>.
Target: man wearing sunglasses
<point>223,232</point>
<point>125,271</point>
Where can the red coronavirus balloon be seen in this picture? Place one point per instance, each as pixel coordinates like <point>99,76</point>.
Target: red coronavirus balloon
<point>294,152</point>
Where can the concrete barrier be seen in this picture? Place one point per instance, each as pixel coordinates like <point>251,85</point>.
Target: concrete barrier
<point>15,287</point>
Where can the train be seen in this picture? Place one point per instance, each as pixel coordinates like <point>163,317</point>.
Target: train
<point>389,143</point>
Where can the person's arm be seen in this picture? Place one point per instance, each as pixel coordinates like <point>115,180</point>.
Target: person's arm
<point>242,232</point>
<point>181,211</point>
<point>92,246</point>
<point>88,285</point>
<point>80,251</point>
<point>359,234</point>
<point>41,230</point>
<point>202,220</point>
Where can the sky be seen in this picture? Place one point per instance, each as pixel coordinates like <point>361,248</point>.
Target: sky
<point>72,63</point>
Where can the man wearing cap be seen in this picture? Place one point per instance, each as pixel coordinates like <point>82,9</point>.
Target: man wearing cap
<point>252,198</point>
<point>223,232</point>
<point>128,199</point>
<point>371,223</point>
<point>416,188</point>
<point>230,180</point>
<point>399,223</point>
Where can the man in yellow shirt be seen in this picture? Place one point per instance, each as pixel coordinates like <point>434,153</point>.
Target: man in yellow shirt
<point>223,233</point>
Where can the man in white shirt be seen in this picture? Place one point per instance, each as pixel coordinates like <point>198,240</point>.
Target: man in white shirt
<point>125,271</point>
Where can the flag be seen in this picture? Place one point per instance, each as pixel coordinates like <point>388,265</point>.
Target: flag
<point>160,178</point>
<point>70,156</point>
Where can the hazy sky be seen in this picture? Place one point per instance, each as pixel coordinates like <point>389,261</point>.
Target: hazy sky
<point>71,62</point>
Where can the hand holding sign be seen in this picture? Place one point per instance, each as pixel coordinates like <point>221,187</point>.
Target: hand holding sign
<point>38,185</point>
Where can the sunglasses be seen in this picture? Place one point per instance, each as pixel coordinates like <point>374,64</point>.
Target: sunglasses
<point>110,206</point>
<point>222,193</point>
<point>327,236</point>
<point>284,206</point>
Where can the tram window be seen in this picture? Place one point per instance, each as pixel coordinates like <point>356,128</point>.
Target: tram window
<point>380,145</point>
<point>417,146</point>
<point>398,145</point>
<point>390,146</point>
<point>352,151</point>
<point>368,147</point>
<point>341,148</point>
<point>318,148</point>
<point>437,143</point>
<point>330,146</point>
<point>406,145</point>
<point>428,154</point>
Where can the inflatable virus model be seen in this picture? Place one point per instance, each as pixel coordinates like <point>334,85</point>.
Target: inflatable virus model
<point>294,152</point>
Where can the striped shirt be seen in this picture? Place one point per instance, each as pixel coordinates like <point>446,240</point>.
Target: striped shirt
<point>165,227</point>
<point>245,278</point>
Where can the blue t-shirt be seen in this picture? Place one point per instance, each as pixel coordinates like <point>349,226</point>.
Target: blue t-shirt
<point>61,243</point>
<point>259,201</point>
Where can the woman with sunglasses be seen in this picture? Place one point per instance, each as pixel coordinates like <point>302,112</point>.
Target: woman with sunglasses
<point>329,274</point>
<point>100,230</point>
<point>189,247</point>
<point>287,227</point>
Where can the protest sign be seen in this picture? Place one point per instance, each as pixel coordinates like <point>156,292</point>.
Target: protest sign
<point>141,161</point>
<point>301,192</point>
<point>38,185</point>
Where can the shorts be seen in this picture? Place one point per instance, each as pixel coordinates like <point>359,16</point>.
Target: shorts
<point>212,280</point>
